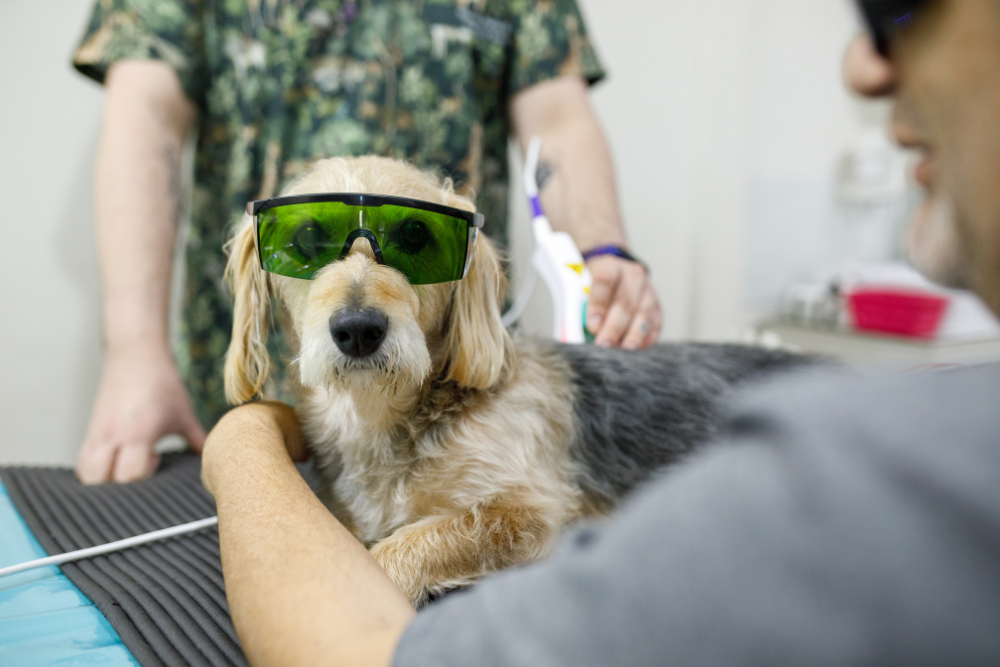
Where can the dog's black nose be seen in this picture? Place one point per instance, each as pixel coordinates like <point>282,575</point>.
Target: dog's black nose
<point>359,333</point>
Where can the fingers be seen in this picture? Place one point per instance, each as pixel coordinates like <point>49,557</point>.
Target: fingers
<point>625,301</point>
<point>606,276</point>
<point>102,462</point>
<point>141,399</point>
<point>655,330</point>
<point>133,462</point>
<point>644,329</point>
<point>624,309</point>
<point>95,463</point>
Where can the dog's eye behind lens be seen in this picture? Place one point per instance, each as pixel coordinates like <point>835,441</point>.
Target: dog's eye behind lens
<point>311,240</point>
<point>410,236</point>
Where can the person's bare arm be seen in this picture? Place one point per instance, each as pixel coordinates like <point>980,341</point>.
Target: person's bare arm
<point>302,590</point>
<point>141,397</point>
<point>579,195</point>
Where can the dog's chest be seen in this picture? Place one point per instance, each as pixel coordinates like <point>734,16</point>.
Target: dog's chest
<point>364,465</point>
<point>376,498</point>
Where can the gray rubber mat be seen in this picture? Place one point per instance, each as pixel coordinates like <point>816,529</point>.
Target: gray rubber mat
<point>166,600</point>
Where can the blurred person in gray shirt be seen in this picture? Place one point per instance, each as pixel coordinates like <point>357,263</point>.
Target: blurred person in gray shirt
<point>837,521</point>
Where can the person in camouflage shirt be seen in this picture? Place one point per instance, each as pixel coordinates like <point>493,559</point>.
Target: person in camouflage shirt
<point>272,85</point>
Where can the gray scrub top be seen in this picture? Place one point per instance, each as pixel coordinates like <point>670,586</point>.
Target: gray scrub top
<point>839,521</point>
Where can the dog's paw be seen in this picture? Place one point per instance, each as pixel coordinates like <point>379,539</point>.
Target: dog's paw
<point>396,558</point>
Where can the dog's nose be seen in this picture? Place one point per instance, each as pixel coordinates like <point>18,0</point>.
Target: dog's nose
<point>359,333</point>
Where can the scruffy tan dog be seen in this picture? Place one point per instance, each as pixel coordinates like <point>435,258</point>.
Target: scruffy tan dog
<point>448,449</point>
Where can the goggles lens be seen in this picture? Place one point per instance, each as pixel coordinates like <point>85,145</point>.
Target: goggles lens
<point>883,17</point>
<point>298,240</point>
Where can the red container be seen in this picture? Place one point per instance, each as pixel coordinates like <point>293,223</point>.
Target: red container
<point>911,313</point>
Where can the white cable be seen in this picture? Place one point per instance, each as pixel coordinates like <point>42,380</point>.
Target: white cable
<point>530,173</point>
<point>530,189</point>
<point>523,298</point>
<point>111,547</point>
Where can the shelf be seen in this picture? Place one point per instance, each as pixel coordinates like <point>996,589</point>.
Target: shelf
<point>863,350</point>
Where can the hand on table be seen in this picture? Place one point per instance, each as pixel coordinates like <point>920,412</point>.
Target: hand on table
<point>140,400</point>
<point>624,309</point>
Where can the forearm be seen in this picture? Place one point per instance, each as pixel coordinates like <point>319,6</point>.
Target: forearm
<point>137,202</point>
<point>302,590</point>
<point>577,174</point>
<point>137,199</point>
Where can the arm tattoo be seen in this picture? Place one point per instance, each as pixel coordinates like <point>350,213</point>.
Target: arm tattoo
<point>172,162</point>
<point>544,173</point>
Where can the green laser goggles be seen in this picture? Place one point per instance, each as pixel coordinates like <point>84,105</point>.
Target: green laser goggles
<point>428,243</point>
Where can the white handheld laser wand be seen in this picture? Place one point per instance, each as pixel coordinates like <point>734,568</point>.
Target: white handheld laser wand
<point>557,259</point>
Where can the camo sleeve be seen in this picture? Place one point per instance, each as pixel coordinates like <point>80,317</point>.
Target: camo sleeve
<point>167,30</point>
<point>550,40</point>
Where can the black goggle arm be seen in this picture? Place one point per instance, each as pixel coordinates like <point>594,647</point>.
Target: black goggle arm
<point>367,234</point>
<point>884,17</point>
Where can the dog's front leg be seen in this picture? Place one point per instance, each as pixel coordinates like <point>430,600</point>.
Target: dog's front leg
<point>444,552</point>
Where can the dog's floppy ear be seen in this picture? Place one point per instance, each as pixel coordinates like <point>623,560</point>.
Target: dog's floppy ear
<point>247,362</point>
<point>478,346</point>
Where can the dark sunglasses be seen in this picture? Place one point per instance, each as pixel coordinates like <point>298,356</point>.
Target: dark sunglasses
<point>428,243</point>
<point>884,17</point>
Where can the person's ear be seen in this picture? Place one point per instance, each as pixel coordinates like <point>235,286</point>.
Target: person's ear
<point>477,344</point>
<point>247,362</point>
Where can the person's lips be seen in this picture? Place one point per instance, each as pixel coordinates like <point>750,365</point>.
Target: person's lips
<point>906,137</point>
<point>907,133</point>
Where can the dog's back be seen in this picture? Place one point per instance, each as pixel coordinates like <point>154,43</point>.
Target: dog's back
<point>637,411</point>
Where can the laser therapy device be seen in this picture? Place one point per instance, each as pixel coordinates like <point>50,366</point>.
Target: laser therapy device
<point>559,262</point>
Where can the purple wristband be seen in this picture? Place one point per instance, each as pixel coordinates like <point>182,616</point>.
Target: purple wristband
<point>616,251</point>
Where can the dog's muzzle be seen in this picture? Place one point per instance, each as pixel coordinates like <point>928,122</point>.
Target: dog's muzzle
<point>359,333</point>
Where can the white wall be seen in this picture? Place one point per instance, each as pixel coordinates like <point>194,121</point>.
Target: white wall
<point>725,118</point>
<point>801,121</point>
<point>49,337</point>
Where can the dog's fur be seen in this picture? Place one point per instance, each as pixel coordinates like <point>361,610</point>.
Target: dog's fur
<point>452,450</point>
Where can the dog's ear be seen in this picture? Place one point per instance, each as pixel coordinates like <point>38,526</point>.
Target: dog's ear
<point>247,362</point>
<point>478,346</point>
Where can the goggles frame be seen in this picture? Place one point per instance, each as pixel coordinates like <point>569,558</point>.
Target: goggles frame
<point>882,17</point>
<point>475,221</point>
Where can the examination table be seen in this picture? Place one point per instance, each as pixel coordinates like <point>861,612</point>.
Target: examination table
<point>159,605</point>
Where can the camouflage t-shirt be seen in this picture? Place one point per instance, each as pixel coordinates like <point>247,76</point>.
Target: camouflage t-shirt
<point>280,83</point>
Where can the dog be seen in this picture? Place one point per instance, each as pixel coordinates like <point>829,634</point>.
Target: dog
<point>453,449</point>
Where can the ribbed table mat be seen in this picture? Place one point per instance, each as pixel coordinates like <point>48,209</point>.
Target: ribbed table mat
<point>166,600</point>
